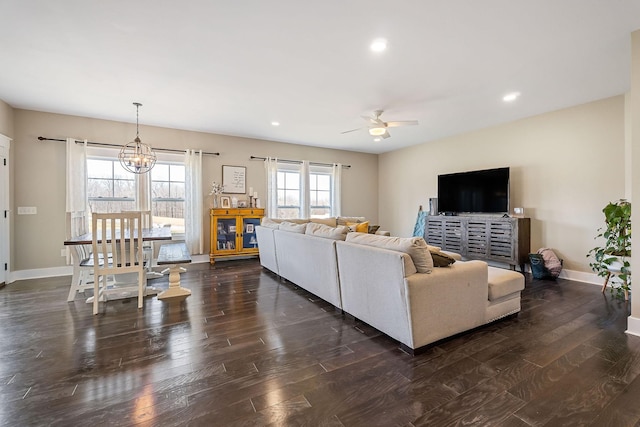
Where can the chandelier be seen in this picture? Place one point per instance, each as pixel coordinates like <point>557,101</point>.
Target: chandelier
<point>135,156</point>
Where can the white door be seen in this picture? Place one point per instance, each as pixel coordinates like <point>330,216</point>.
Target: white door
<point>4,208</point>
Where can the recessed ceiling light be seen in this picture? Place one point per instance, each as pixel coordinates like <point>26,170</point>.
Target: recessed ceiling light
<point>378,45</point>
<point>510,97</point>
<point>275,123</point>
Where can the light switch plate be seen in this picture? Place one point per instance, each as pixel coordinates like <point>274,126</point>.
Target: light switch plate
<point>27,210</point>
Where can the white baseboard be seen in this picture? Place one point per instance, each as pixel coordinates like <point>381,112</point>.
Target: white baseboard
<point>633,326</point>
<point>40,273</point>
<point>581,276</point>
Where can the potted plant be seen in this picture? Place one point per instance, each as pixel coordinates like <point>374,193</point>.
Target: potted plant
<point>613,257</point>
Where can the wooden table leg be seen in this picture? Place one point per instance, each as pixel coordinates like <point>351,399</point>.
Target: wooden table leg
<point>175,290</point>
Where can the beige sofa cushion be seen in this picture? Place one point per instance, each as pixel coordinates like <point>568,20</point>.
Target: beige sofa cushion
<point>321,230</point>
<point>331,222</point>
<point>269,223</point>
<point>293,228</point>
<point>415,247</point>
<point>503,282</point>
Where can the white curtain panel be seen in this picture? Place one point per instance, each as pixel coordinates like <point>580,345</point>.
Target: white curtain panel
<point>336,185</point>
<point>271,168</point>
<point>305,210</point>
<point>76,197</point>
<point>143,191</point>
<point>193,201</point>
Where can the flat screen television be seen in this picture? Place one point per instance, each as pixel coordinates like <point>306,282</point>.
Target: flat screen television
<point>481,191</point>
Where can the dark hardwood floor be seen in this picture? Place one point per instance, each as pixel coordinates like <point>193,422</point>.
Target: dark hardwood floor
<point>246,349</point>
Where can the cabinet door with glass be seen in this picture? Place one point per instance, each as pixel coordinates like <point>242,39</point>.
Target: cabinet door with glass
<point>225,234</point>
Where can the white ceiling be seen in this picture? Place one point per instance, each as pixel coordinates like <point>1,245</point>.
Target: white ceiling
<point>233,67</point>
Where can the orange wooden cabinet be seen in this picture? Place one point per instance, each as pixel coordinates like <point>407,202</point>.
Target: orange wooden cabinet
<point>233,232</point>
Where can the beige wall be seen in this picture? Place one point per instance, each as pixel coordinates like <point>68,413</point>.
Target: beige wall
<point>565,166</point>
<point>39,171</point>
<point>6,119</point>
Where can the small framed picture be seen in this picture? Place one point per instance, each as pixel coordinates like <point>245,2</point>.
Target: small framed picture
<point>242,204</point>
<point>249,229</point>
<point>225,202</point>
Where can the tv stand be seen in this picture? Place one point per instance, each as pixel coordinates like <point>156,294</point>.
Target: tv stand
<point>489,238</point>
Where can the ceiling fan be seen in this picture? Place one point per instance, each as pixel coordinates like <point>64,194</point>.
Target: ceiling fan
<point>378,128</point>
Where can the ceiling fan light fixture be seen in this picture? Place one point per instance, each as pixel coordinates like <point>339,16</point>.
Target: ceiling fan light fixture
<point>378,45</point>
<point>135,156</point>
<point>377,131</point>
<point>510,97</point>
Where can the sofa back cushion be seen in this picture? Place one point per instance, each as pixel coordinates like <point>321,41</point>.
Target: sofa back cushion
<point>331,222</point>
<point>293,228</point>
<point>269,223</point>
<point>321,230</point>
<point>415,247</point>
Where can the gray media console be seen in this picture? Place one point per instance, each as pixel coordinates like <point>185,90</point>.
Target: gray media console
<point>505,240</point>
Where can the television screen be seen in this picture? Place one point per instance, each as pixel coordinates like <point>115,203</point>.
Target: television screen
<point>482,191</point>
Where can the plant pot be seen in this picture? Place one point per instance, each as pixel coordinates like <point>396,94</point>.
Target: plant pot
<point>615,263</point>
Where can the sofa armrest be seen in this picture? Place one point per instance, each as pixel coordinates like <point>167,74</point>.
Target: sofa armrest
<point>447,301</point>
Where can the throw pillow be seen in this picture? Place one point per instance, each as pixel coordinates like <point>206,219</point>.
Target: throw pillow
<point>343,220</point>
<point>415,247</point>
<point>293,228</point>
<point>372,229</point>
<point>358,227</point>
<point>269,223</point>
<point>440,259</point>
<point>321,230</point>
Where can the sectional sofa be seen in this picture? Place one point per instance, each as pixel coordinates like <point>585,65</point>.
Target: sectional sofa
<point>390,283</point>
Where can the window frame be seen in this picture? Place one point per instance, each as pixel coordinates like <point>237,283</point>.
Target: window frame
<point>289,168</point>
<point>153,200</point>
<point>313,172</point>
<point>114,161</point>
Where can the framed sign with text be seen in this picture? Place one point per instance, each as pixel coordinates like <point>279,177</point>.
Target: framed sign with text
<point>234,179</point>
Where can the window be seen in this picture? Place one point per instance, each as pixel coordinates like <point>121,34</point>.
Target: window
<point>289,192</point>
<point>167,195</point>
<point>290,189</point>
<point>320,192</point>
<point>110,188</point>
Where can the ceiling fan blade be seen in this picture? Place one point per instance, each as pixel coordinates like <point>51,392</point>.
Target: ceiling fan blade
<point>352,130</point>
<point>402,123</point>
<point>372,121</point>
<point>385,135</point>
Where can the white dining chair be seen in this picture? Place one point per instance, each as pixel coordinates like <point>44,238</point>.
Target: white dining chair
<point>148,248</point>
<point>117,238</point>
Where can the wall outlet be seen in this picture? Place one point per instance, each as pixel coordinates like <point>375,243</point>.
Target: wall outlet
<point>63,252</point>
<point>27,210</point>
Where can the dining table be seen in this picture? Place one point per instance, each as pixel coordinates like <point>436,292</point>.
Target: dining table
<point>148,234</point>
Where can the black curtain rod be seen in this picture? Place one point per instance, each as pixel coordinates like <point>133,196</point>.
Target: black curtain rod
<point>299,161</point>
<point>102,144</point>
